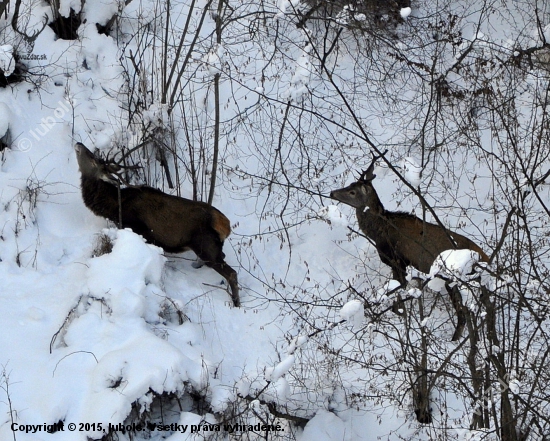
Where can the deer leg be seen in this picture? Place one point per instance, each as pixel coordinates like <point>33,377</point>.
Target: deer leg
<point>399,274</point>
<point>209,249</point>
<point>456,300</point>
<point>198,263</point>
<point>230,275</point>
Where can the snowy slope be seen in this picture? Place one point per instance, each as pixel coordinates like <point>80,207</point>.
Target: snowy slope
<point>97,339</point>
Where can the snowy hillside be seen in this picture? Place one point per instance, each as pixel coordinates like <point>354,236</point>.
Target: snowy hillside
<point>262,108</point>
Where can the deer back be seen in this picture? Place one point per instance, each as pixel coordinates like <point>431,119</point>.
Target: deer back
<point>419,243</point>
<point>173,221</point>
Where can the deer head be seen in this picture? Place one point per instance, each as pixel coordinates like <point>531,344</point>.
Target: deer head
<point>92,166</point>
<point>361,193</point>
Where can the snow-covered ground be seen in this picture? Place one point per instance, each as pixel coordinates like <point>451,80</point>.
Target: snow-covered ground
<point>98,339</point>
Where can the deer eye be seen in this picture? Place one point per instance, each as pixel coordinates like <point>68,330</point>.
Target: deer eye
<point>352,193</point>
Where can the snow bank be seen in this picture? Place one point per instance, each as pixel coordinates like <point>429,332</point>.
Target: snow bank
<point>125,271</point>
<point>100,11</point>
<point>110,344</point>
<point>456,263</point>
<point>324,426</point>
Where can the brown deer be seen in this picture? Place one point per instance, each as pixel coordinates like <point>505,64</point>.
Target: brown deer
<point>173,223</point>
<point>401,239</point>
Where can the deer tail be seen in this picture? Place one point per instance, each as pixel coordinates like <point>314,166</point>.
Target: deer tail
<point>221,224</point>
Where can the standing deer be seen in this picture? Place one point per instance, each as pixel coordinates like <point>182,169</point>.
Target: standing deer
<point>401,239</point>
<point>173,223</point>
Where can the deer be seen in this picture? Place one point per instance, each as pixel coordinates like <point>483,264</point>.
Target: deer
<point>173,223</point>
<point>402,239</point>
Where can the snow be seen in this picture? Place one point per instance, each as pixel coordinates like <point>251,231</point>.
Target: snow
<point>333,214</point>
<point>412,171</point>
<point>405,12</point>
<point>214,59</point>
<point>100,12</point>
<point>5,118</point>
<point>90,338</point>
<point>414,292</point>
<point>297,343</point>
<point>325,426</point>
<point>7,62</point>
<point>354,312</point>
<point>115,273</point>
<point>458,263</point>
<point>65,6</point>
<point>299,82</point>
<point>348,13</point>
<point>287,6</point>
<point>515,386</point>
<point>437,284</point>
<point>275,373</point>
<point>391,285</point>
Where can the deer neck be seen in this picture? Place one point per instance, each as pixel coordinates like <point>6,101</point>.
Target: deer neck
<point>374,207</point>
<point>370,212</point>
<point>100,197</point>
